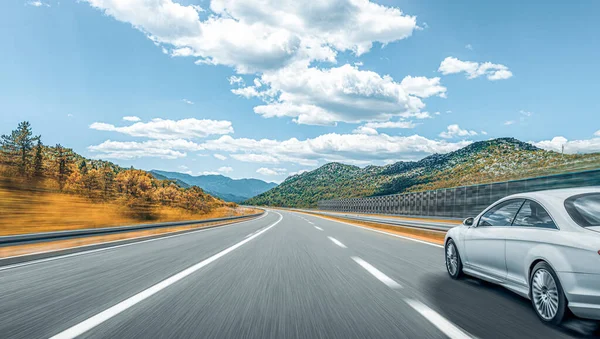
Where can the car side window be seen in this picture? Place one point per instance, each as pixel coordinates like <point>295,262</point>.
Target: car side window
<point>533,214</point>
<point>501,214</point>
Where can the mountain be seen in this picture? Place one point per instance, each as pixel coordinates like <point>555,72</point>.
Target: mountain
<point>235,190</point>
<point>480,162</point>
<point>177,181</point>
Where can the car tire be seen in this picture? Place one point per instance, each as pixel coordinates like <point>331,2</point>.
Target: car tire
<point>453,262</point>
<point>546,294</point>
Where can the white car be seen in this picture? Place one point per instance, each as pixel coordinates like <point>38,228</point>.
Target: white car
<point>544,246</point>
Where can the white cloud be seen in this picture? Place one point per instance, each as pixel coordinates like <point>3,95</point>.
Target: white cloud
<point>271,171</point>
<point>247,92</point>
<point>278,40</point>
<point>234,79</point>
<point>37,3</point>
<point>371,127</point>
<point>509,122</point>
<point>185,169</point>
<point>220,156</point>
<point>455,131</point>
<point>349,148</point>
<point>225,169</point>
<point>189,102</point>
<point>259,158</point>
<point>391,124</point>
<point>340,94</point>
<point>469,47</point>
<point>252,37</point>
<point>484,132</point>
<point>365,130</point>
<point>570,147</point>
<point>131,118</point>
<point>170,129</point>
<point>500,75</point>
<point>165,149</point>
<point>525,113</point>
<point>342,24</point>
<point>423,87</point>
<point>417,115</point>
<point>597,133</point>
<point>209,173</point>
<point>331,147</point>
<point>452,65</point>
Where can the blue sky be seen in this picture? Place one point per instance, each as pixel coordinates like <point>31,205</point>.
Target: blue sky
<point>330,79</point>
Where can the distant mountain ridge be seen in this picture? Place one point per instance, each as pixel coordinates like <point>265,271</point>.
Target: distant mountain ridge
<point>234,190</point>
<point>484,161</point>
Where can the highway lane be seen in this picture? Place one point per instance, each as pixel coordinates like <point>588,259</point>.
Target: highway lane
<point>41,299</point>
<point>304,277</point>
<point>482,309</point>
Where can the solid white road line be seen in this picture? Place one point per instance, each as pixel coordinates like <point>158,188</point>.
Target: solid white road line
<point>101,317</point>
<point>377,273</point>
<point>110,247</point>
<point>337,242</point>
<point>319,228</point>
<point>449,329</point>
<point>258,230</point>
<point>383,232</point>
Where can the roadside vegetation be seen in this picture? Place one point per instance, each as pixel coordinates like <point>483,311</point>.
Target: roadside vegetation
<point>45,188</point>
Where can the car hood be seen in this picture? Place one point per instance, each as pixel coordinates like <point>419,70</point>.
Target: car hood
<point>594,228</point>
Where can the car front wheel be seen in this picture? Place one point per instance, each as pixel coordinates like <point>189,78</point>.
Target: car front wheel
<point>547,295</point>
<point>453,262</point>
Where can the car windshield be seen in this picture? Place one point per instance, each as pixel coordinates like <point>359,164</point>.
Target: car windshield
<point>584,209</point>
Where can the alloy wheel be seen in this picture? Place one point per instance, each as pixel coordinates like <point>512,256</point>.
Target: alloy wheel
<point>545,294</point>
<point>451,259</point>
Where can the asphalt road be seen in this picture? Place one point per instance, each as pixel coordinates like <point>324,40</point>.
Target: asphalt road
<point>284,275</point>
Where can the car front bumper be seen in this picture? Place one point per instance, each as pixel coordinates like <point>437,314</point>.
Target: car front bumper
<point>583,293</point>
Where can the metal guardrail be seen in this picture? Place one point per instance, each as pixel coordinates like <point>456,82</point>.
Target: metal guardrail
<point>427,225</point>
<point>59,235</point>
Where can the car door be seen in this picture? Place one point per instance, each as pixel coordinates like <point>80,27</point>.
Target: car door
<point>532,225</point>
<point>485,244</point>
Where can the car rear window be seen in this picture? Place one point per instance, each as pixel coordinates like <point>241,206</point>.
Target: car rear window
<point>584,209</point>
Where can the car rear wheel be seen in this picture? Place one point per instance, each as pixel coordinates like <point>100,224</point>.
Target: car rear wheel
<point>453,262</point>
<point>547,295</point>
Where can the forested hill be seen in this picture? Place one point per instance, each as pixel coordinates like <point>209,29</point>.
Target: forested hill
<point>228,189</point>
<point>480,162</point>
<point>26,163</point>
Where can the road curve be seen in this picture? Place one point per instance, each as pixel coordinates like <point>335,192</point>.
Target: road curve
<point>284,275</point>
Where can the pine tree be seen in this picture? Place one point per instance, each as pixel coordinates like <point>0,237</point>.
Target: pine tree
<point>18,145</point>
<point>108,180</point>
<point>38,161</point>
<point>63,158</point>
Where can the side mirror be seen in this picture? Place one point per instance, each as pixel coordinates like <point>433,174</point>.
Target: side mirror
<point>468,222</point>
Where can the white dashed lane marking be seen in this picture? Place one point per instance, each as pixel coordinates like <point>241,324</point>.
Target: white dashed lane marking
<point>337,242</point>
<point>377,273</point>
<point>449,329</point>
